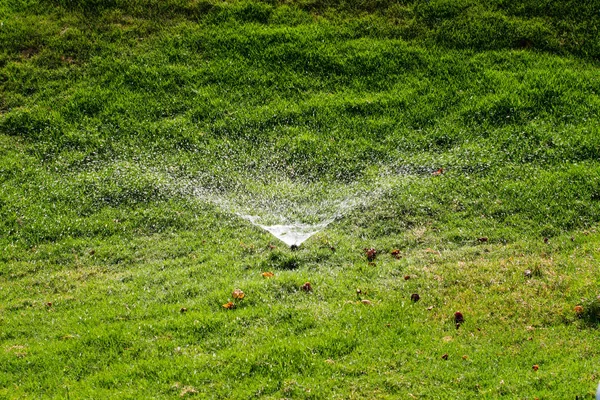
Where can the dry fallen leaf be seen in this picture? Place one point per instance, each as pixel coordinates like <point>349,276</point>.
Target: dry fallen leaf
<point>535,367</point>
<point>438,172</point>
<point>306,287</point>
<point>371,254</point>
<point>396,254</point>
<point>458,318</point>
<point>445,357</point>
<point>229,305</point>
<point>238,294</point>
<point>183,309</point>
<point>579,309</point>
<point>366,302</point>
<point>415,297</point>
<point>268,274</point>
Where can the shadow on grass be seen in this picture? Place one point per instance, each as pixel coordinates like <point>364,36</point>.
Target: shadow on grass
<point>591,313</point>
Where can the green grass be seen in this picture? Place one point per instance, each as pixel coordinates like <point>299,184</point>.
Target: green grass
<point>113,114</point>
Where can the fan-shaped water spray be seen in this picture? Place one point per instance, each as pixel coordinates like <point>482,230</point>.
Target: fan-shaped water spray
<point>292,234</point>
<point>293,211</point>
<point>290,207</point>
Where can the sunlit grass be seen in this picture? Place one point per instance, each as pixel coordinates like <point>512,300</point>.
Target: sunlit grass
<point>462,136</point>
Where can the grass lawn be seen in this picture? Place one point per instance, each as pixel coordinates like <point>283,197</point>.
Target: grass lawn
<point>456,145</point>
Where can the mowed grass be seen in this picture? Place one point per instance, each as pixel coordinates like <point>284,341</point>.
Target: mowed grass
<point>113,274</point>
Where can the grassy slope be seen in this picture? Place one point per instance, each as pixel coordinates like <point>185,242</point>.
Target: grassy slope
<point>106,105</point>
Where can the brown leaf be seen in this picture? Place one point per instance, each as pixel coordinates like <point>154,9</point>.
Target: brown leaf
<point>396,254</point>
<point>238,294</point>
<point>482,239</point>
<point>366,302</point>
<point>229,306</point>
<point>306,287</point>
<point>535,367</point>
<point>445,356</point>
<point>459,317</point>
<point>415,297</point>
<point>438,172</point>
<point>371,254</point>
<point>268,274</point>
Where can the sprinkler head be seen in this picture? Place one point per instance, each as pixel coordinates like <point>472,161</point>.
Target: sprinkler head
<point>294,247</point>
